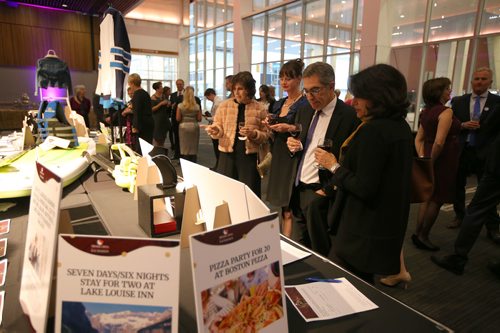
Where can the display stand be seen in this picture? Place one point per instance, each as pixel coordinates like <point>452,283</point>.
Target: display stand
<point>159,223</point>
<point>192,222</point>
<point>55,122</point>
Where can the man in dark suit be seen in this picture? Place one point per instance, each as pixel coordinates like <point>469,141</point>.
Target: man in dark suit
<point>481,209</point>
<point>326,117</point>
<point>176,99</point>
<point>475,112</point>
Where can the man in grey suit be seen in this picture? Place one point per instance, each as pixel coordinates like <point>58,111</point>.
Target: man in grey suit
<point>326,117</point>
<point>475,112</point>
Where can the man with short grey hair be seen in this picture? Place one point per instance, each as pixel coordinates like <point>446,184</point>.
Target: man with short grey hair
<point>475,111</point>
<point>326,117</point>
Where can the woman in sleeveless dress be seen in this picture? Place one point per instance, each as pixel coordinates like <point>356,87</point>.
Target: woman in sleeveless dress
<point>437,138</point>
<point>188,115</point>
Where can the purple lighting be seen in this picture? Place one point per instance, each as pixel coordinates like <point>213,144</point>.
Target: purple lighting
<point>15,4</point>
<point>54,93</point>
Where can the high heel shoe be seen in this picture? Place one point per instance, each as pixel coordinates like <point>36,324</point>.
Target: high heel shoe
<point>394,280</point>
<point>423,245</point>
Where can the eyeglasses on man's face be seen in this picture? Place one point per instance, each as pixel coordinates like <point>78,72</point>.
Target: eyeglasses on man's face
<point>313,91</point>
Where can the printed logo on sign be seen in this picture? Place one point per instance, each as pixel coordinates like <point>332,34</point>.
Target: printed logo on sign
<point>99,247</point>
<point>226,236</point>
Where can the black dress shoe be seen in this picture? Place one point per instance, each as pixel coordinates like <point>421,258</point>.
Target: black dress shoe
<point>494,236</point>
<point>494,266</point>
<point>453,263</point>
<point>423,245</point>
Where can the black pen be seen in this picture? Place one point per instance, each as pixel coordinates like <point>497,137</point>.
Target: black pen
<point>313,279</point>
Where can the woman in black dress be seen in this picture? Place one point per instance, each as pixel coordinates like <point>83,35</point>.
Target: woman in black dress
<point>281,122</point>
<point>159,108</point>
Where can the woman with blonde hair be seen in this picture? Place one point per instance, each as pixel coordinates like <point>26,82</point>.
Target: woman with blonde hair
<point>188,115</point>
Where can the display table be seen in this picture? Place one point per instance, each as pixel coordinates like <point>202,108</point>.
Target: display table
<point>391,316</point>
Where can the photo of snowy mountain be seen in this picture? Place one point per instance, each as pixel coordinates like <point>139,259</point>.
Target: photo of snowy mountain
<point>115,318</point>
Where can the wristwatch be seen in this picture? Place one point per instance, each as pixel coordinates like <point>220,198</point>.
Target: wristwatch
<point>334,167</point>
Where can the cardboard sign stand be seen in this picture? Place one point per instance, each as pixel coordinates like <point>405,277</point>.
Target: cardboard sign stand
<point>191,224</point>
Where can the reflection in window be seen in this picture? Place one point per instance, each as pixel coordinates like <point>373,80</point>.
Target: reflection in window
<point>314,28</point>
<point>292,32</point>
<point>452,19</point>
<point>490,20</point>
<point>340,26</point>
<point>359,20</point>
<point>220,11</point>
<point>258,5</point>
<point>407,22</point>
<point>274,36</point>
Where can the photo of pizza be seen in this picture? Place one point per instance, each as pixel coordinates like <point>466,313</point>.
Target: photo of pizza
<point>246,304</point>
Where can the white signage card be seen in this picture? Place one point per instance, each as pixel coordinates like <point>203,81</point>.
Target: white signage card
<point>238,278</point>
<point>328,300</point>
<point>117,284</point>
<point>39,251</point>
<point>2,299</point>
<point>292,253</point>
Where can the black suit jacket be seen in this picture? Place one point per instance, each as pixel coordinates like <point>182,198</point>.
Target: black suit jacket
<point>342,123</point>
<point>370,211</point>
<point>484,135</point>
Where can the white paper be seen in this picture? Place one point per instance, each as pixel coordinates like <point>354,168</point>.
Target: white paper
<point>2,300</point>
<point>323,300</point>
<point>53,141</point>
<point>290,253</point>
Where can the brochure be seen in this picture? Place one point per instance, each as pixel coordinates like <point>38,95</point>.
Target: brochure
<point>328,300</point>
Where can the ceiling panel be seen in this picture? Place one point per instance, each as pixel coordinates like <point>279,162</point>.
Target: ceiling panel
<point>91,7</point>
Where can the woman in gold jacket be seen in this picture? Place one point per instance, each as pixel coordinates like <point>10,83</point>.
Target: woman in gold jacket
<point>238,127</point>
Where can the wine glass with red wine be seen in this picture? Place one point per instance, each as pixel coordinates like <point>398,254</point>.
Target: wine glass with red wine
<point>325,144</point>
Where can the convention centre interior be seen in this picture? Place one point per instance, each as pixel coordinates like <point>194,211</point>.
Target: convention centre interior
<point>145,145</point>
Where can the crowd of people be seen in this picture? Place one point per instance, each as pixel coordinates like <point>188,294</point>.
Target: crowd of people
<point>340,171</point>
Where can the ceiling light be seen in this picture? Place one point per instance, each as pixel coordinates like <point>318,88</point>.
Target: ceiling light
<point>272,29</point>
<point>312,15</point>
<point>360,24</point>
<point>341,15</point>
<point>64,5</point>
<point>397,27</point>
<point>334,38</point>
<point>402,16</point>
<point>343,1</point>
<point>442,16</point>
<point>397,33</point>
<point>435,4</point>
<point>336,26</point>
<point>436,27</point>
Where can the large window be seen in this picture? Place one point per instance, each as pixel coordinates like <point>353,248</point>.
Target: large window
<point>313,30</point>
<point>153,68</point>
<point>210,60</point>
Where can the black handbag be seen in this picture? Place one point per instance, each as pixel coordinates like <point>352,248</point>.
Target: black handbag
<point>422,180</point>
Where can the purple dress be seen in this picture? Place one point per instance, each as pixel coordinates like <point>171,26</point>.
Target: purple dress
<point>446,165</point>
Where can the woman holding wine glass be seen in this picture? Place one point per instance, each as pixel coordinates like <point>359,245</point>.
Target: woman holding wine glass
<point>238,125</point>
<point>282,123</point>
<point>372,176</point>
